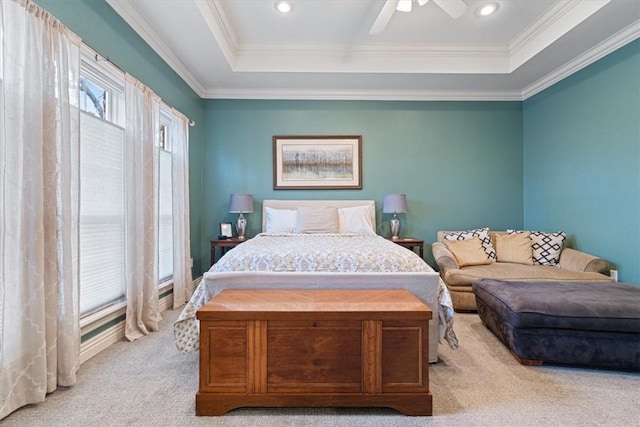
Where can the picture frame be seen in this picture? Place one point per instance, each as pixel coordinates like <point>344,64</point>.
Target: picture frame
<point>330,162</point>
<point>226,229</point>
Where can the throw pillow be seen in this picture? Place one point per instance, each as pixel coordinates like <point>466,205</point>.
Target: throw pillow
<point>317,220</point>
<point>546,246</point>
<point>480,233</point>
<point>468,252</point>
<point>514,248</point>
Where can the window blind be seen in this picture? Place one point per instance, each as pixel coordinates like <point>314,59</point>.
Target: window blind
<point>165,221</point>
<point>102,207</point>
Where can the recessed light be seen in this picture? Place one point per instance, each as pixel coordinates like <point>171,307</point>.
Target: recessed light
<point>284,6</point>
<point>404,6</point>
<point>487,9</point>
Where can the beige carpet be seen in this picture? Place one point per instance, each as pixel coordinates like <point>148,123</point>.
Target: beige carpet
<point>149,383</point>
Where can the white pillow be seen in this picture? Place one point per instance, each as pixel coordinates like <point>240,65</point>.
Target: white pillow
<point>316,220</point>
<point>356,220</point>
<point>280,220</point>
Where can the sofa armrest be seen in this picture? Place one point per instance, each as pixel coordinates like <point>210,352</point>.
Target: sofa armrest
<point>572,259</point>
<point>443,256</point>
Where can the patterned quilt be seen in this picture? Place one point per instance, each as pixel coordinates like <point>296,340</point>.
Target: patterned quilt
<point>285,252</point>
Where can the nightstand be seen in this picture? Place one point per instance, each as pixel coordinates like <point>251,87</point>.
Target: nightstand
<point>224,245</point>
<point>410,243</point>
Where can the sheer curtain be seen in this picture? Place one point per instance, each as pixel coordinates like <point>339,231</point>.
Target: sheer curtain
<point>39,164</point>
<point>141,218</point>
<point>181,238</point>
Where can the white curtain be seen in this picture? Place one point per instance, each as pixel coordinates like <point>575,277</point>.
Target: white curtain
<point>141,218</point>
<point>181,237</point>
<point>39,165</point>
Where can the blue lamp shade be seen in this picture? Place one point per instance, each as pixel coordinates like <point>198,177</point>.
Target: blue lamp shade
<point>241,203</point>
<point>394,203</point>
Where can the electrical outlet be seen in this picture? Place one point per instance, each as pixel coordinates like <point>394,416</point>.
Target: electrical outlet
<point>191,262</point>
<point>614,275</point>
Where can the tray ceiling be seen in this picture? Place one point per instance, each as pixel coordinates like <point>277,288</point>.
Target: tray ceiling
<point>323,50</point>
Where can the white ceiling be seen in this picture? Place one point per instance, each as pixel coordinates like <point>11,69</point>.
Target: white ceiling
<point>323,50</point>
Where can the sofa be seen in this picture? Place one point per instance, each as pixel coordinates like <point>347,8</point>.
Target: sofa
<point>509,255</point>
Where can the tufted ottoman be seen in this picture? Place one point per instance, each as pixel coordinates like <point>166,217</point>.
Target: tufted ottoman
<point>577,323</point>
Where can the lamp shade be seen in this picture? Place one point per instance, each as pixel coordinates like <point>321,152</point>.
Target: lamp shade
<point>394,203</point>
<point>241,203</point>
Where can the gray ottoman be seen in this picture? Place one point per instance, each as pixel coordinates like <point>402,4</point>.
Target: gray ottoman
<point>576,323</point>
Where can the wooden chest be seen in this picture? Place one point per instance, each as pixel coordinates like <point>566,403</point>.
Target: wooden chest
<point>340,348</point>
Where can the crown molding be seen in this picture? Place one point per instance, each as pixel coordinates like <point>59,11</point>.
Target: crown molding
<point>213,13</point>
<point>561,18</point>
<point>613,43</point>
<point>325,58</point>
<point>361,95</point>
<point>128,12</point>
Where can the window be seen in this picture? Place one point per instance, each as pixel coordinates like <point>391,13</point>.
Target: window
<point>102,190</point>
<point>93,98</point>
<point>165,195</point>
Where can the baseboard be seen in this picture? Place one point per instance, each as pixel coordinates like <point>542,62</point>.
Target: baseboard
<point>166,303</point>
<point>194,284</point>
<point>96,344</point>
<point>112,335</point>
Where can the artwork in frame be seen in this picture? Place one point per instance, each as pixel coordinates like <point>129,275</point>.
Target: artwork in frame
<point>226,229</point>
<point>317,162</point>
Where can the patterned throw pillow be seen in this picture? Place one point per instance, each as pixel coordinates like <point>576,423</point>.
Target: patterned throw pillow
<point>546,246</point>
<point>481,233</point>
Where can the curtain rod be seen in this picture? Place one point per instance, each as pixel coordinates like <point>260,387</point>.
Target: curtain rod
<point>99,57</point>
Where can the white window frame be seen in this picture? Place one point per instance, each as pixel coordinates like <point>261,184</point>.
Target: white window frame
<point>166,120</point>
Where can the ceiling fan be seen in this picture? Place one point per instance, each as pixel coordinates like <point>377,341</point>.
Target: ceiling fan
<point>454,8</point>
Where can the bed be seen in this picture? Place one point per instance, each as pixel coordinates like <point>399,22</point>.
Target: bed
<point>320,244</point>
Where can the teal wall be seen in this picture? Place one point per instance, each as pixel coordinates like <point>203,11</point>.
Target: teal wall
<point>460,163</point>
<point>103,29</point>
<point>582,160</point>
<point>566,159</point>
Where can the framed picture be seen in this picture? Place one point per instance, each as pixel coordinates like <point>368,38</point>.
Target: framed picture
<point>317,162</point>
<point>226,229</point>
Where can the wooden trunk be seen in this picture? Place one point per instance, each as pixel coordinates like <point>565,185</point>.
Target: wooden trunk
<point>341,348</point>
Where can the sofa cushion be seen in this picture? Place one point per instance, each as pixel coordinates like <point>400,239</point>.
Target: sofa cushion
<point>515,248</point>
<point>546,246</point>
<point>468,252</point>
<point>481,233</point>
<point>465,276</point>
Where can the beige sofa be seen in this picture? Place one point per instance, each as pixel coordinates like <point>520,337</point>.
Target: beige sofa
<point>573,266</point>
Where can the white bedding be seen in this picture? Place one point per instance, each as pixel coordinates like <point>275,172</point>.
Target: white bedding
<point>321,261</point>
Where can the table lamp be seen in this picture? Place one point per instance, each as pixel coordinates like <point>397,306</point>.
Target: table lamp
<point>396,203</point>
<point>241,203</point>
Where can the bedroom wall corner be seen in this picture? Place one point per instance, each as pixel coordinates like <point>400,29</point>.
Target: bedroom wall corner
<point>582,160</point>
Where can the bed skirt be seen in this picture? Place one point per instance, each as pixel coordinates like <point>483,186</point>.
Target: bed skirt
<point>427,286</point>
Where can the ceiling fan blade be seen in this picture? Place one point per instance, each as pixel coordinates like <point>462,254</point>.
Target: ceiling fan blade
<point>383,17</point>
<point>454,8</point>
